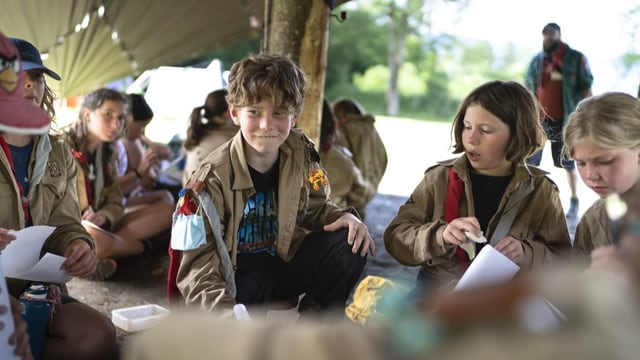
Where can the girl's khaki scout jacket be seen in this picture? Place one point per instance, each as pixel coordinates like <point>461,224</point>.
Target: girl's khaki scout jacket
<point>359,135</point>
<point>210,140</point>
<point>348,186</point>
<point>303,207</point>
<point>414,236</point>
<point>52,194</point>
<point>593,230</point>
<point>109,202</point>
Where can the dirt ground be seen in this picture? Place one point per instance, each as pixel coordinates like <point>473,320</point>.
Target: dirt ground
<point>142,280</point>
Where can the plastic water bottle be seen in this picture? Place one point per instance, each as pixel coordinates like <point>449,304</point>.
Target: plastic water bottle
<point>36,313</point>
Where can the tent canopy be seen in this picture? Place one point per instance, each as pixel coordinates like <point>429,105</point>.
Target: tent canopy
<point>93,42</point>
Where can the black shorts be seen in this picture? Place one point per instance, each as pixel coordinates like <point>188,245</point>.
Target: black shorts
<point>554,129</point>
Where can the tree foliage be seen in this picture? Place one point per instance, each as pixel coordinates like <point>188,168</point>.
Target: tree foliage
<point>435,73</point>
<point>354,46</point>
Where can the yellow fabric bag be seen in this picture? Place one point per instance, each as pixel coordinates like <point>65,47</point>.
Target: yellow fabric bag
<point>367,295</point>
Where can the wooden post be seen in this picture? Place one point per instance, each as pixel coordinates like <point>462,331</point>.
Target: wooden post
<point>300,30</point>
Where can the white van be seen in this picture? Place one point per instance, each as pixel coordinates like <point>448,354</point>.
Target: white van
<point>172,92</point>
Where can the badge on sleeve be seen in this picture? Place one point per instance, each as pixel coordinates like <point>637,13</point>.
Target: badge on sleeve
<point>187,230</point>
<point>317,178</point>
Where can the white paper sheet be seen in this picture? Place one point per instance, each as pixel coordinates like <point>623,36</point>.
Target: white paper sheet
<point>21,258</point>
<point>538,314</point>
<point>491,267</point>
<point>488,267</point>
<point>6,350</point>
<point>47,270</point>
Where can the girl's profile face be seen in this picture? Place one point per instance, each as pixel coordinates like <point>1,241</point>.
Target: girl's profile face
<point>105,123</point>
<point>485,138</point>
<point>607,170</point>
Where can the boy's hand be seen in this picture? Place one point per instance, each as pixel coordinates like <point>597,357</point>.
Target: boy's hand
<point>81,260</point>
<point>358,235</point>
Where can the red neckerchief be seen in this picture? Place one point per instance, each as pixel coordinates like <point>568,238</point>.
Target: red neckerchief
<point>452,202</point>
<point>83,159</point>
<point>25,201</point>
<point>556,63</point>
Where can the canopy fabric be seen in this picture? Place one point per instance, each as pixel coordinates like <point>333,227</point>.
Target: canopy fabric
<point>93,42</point>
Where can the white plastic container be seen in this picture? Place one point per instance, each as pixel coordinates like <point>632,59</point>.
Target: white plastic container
<point>138,318</point>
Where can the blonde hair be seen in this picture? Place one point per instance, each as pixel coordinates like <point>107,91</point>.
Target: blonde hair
<point>612,120</point>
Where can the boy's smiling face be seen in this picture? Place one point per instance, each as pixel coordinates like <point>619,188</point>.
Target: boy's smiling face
<point>263,127</point>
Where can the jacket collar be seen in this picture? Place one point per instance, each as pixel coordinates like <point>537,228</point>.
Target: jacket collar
<point>43,148</point>
<point>522,171</point>
<point>242,179</point>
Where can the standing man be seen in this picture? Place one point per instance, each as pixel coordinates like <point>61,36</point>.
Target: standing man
<point>560,77</point>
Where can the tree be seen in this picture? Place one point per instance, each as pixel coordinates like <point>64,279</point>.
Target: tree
<point>355,45</point>
<point>404,17</point>
<point>300,30</point>
<point>631,59</point>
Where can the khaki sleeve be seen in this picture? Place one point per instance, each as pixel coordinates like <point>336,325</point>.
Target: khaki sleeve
<point>321,210</point>
<point>65,214</point>
<point>414,236</point>
<point>111,199</point>
<point>551,241</point>
<point>362,190</point>
<point>591,232</point>
<point>200,281</point>
<point>200,278</point>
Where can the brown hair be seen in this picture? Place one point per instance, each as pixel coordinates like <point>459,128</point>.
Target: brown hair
<point>327,128</point>
<point>515,106</point>
<point>202,117</point>
<point>343,107</point>
<point>93,101</point>
<point>270,77</point>
<point>47,101</point>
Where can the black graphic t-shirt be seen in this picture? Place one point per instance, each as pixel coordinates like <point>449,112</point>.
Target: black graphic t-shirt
<point>259,225</point>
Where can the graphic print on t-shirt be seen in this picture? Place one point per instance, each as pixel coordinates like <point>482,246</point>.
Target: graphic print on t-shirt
<point>259,226</point>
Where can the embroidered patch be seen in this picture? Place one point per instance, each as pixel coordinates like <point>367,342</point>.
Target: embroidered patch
<point>318,177</point>
<point>54,170</point>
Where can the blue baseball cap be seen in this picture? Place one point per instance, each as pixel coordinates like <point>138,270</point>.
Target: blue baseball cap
<point>31,59</point>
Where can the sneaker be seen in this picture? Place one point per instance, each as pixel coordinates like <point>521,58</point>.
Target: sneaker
<point>104,269</point>
<point>574,205</point>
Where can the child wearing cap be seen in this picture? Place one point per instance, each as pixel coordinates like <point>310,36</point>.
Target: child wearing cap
<point>279,233</point>
<point>38,187</point>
